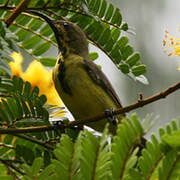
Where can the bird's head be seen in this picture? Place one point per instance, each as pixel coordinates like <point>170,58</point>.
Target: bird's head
<point>69,36</point>
<point>72,38</point>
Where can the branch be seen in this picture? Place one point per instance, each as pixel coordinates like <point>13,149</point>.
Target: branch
<point>62,6</point>
<point>22,6</point>
<point>140,103</point>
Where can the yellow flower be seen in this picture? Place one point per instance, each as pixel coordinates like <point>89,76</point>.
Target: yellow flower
<point>15,66</point>
<point>172,42</point>
<point>38,76</point>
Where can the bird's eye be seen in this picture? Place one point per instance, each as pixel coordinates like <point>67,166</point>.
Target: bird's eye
<point>65,24</point>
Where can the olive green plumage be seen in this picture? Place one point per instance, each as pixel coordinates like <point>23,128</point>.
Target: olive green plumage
<point>82,86</point>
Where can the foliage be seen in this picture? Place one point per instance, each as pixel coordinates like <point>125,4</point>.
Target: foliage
<point>97,18</point>
<point>58,153</point>
<point>92,157</point>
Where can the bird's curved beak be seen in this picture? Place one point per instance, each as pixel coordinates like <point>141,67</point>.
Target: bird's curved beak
<point>51,23</point>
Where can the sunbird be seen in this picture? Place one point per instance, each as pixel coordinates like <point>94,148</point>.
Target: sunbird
<point>82,86</point>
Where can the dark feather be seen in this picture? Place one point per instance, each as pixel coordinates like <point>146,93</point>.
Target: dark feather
<point>100,78</point>
<point>61,76</point>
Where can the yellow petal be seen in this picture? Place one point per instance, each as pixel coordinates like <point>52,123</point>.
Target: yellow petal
<point>15,66</point>
<point>38,76</point>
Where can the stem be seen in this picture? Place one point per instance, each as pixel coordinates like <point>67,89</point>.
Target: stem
<point>17,11</point>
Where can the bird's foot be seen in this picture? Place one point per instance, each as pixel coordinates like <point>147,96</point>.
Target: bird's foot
<point>58,125</point>
<point>111,117</point>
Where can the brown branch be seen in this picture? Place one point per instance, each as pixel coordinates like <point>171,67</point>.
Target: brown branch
<point>21,7</point>
<point>60,7</point>
<point>138,104</point>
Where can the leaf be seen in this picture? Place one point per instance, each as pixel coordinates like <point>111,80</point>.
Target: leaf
<point>31,42</point>
<point>46,172</point>
<point>170,166</point>
<point>2,30</point>
<point>151,158</point>
<point>109,12</point>
<point>139,70</point>
<point>131,61</point>
<point>124,68</point>
<point>49,62</point>
<point>172,139</point>
<point>93,56</point>
<point>127,134</point>
<point>36,166</point>
<point>127,51</point>
<point>42,48</point>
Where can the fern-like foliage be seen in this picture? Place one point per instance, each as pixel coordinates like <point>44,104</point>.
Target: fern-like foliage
<point>92,157</point>
<point>21,106</point>
<point>7,45</point>
<point>20,103</point>
<point>101,22</point>
<point>128,135</point>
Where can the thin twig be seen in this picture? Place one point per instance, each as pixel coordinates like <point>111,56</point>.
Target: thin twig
<point>59,7</point>
<point>6,145</point>
<point>138,104</point>
<point>17,11</point>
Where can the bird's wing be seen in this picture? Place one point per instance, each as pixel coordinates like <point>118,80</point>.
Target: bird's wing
<point>100,78</point>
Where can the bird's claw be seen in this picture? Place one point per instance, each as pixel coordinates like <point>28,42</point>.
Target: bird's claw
<point>58,125</point>
<point>111,117</point>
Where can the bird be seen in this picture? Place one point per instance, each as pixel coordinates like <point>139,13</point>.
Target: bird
<point>83,87</point>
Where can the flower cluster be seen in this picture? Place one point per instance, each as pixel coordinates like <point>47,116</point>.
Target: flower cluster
<point>38,76</point>
<point>173,43</point>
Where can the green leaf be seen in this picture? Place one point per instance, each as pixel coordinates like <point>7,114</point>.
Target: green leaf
<point>93,56</point>
<point>36,166</point>
<point>46,172</point>
<point>117,18</point>
<point>133,59</point>
<point>109,12</point>
<point>172,139</point>
<point>31,42</point>
<point>127,51</point>
<point>5,67</point>
<point>42,48</point>
<point>22,34</point>
<point>138,70</point>
<point>2,29</point>
<point>170,166</point>
<point>115,34</point>
<point>103,8</point>
<point>124,68</point>
<point>35,24</point>
<point>125,27</point>
<point>49,62</point>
